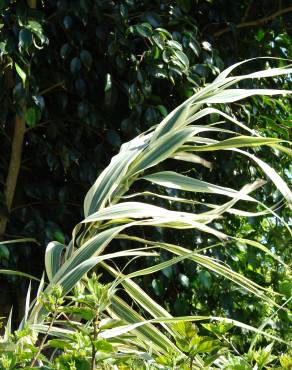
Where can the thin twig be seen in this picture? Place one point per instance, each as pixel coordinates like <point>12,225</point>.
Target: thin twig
<point>50,88</point>
<point>232,345</point>
<point>93,350</point>
<point>39,125</point>
<point>256,22</point>
<point>52,16</point>
<point>43,341</point>
<point>192,362</point>
<point>37,203</point>
<point>246,11</point>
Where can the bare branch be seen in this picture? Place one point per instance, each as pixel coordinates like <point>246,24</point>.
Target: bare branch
<point>256,22</point>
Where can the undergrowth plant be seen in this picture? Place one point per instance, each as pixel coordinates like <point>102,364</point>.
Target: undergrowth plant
<point>80,321</point>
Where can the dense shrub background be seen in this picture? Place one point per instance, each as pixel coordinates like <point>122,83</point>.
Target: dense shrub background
<point>97,74</point>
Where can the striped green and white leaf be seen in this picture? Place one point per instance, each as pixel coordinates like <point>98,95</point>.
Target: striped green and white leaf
<point>177,181</point>
<point>209,263</point>
<point>108,213</point>
<point>114,332</point>
<point>53,258</point>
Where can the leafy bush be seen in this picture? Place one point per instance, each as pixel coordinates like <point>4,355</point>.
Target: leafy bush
<point>79,334</point>
<point>88,322</point>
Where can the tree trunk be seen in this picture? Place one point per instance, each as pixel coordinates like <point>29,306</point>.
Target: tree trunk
<point>14,167</point>
<point>16,150</point>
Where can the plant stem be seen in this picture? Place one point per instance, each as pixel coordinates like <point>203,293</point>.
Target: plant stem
<point>93,352</point>
<point>43,340</point>
<point>192,362</point>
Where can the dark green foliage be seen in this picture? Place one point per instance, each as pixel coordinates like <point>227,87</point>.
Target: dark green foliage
<point>93,74</point>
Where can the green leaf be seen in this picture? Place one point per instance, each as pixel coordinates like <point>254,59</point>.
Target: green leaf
<point>162,110</point>
<point>177,181</point>
<point>210,264</point>
<point>181,56</point>
<point>159,40</point>
<point>60,344</point>
<point>110,178</point>
<point>65,50</point>
<point>103,345</point>
<point>21,74</point>
<point>160,342</point>
<point>75,65</point>
<point>184,280</point>
<point>59,236</point>
<point>53,255</point>
<point>143,29</point>
<point>3,45</point>
<point>86,58</point>
<point>205,279</point>
<point>272,174</point>
<point>260,35</point>
<point>4,252</point>
<point>32,116</point>
<point>218,328</point>
<point>111,333</point>
<point>206,346</point>
<point>20,240</point>
<point>25,39</point>
<point>18,273</point>
<point>68,22</point>
<point>238,142</point>
<point>84,312</point>
<point>37,29</point>
<point>113,138</point>
<point>233,95</point>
